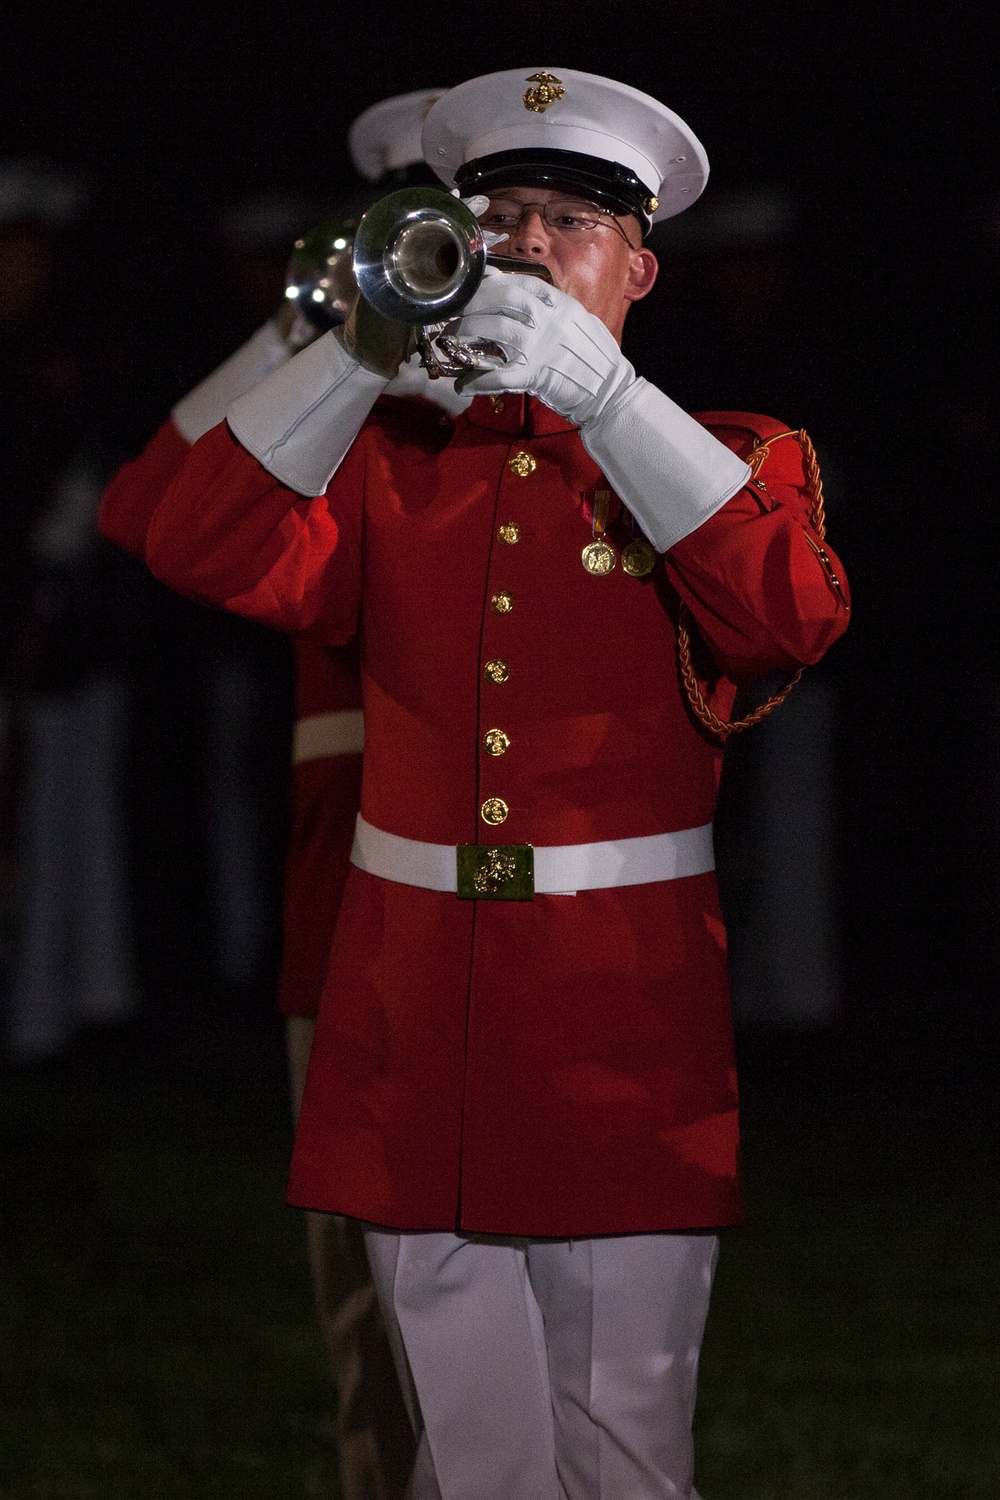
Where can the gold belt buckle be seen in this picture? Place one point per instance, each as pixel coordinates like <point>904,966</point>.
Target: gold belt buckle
<point>496,872</point>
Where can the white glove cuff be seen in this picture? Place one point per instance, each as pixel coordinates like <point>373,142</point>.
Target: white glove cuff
<point>206,405</point>
<point>301,421</point>
<point>668,469</point>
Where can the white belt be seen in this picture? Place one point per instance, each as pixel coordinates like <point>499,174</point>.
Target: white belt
<point>559,869</point>
<point>319,735</point>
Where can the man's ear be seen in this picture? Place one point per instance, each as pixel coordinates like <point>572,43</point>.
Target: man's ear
<point>643,270</point>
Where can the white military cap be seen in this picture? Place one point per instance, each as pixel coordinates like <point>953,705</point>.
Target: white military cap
<point>572,129</point>
<point>386,138</point>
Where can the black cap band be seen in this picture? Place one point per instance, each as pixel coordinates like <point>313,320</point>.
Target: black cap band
<point>607,182</point>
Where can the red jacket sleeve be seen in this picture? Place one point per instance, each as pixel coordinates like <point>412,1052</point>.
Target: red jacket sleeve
<point>227,533</point>
<point>138,487</point>
<point>766,591</point>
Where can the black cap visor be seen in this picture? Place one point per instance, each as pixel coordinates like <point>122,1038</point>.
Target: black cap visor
<point>606,182</point>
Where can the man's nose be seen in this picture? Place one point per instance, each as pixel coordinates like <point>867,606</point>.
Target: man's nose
<point>531,237</point>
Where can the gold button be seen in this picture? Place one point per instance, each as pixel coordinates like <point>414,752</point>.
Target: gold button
<point>494,810</point>
<point>501,604</point>
<point>522,464</point>
<point>497,403</point>
<point>510,533</point>
<point>495,742</point>
<point>496,670</point>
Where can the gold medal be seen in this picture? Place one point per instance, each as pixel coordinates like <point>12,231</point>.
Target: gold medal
<point>598,558</point>
<point>638,559</point>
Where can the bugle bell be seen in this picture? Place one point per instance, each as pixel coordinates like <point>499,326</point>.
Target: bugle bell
<point>419,255</point>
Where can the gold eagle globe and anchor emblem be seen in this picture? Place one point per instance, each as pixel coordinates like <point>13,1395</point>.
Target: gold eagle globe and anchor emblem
<point>545,93</point>
<point>497,867</point>
<point>522,464</point>
<point>496,872</point>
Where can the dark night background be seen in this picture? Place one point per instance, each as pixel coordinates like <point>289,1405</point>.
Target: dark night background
<point>869,319</point>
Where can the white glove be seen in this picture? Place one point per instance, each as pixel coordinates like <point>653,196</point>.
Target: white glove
<point>300,422</point>
<point>668,469</point>
<point>206,405</point>
<point>477,204</point>
<point>547,343</point>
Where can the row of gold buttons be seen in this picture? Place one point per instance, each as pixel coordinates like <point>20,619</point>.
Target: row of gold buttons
<point>497,741</point>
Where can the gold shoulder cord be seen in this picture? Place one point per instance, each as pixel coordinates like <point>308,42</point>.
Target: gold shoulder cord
<point>817,516</point>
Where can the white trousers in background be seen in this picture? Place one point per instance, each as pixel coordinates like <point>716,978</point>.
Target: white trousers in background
<point>75,962</point>
<point>547,1369</point>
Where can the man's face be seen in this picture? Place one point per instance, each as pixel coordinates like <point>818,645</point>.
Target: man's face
<point>599,267</point>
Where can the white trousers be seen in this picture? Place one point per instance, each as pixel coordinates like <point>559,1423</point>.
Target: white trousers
<point>547,1370</point>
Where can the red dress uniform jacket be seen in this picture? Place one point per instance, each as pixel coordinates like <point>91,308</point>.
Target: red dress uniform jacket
<point>561,1066</point>
<point>326,770</point>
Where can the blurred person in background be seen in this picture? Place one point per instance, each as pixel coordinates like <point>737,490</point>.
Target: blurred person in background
<point>374,1440</point>
<point>66,706</point>
<point>243,675</point>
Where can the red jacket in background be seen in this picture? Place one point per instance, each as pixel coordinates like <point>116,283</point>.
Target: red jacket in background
<point>326,769</point>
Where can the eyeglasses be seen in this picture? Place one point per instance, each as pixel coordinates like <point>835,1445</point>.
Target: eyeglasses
<point>564,215</point>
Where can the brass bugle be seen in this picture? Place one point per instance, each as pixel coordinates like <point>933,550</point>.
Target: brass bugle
<point>420,254</point>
